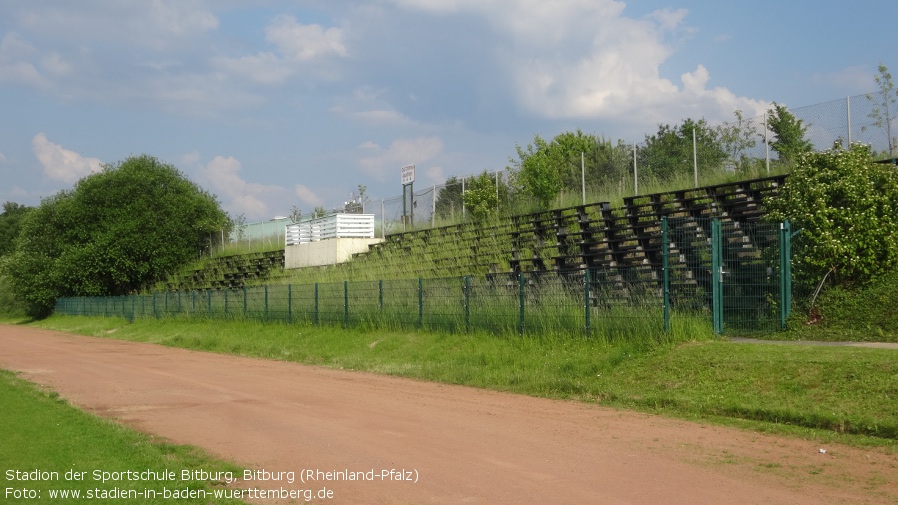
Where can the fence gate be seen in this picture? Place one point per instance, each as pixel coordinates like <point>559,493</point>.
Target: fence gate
<point>750,266</point>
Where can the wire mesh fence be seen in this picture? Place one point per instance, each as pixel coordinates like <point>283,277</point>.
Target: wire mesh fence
<point>734,276</point>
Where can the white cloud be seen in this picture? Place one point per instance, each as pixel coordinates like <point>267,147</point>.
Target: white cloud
<point>157,24</point>
<point>435,174</point>
<point>297,46</point>
<point>14,65</point>
<point>2,158</point>
<point>55,64</point>
<point>180,17</point>
<point>62,164</point>
<point>383,163</point>
<point>588,59</point>
<point>264,68</point>
<point>243,197</point>
<point>304,42</point>
<point>307,196</point>
<point>190,159</point>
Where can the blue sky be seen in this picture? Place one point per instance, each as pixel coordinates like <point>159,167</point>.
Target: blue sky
<point>270,104</point>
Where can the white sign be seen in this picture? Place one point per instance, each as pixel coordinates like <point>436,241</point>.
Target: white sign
<point>408,174</point>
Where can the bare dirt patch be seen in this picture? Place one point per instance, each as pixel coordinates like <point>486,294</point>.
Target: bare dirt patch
<point>459,444</point>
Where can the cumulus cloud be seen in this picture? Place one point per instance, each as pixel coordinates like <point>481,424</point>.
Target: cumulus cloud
<point>297,46</point>
<point>588,59</point>
<point>62,164</point>
<point>244,197</point>
<point>15,66</point>
<point>304,42</point>
<point>383,163</point>
<point>158,24</point>
<point>263,68</point>
<point>181,17</point>
<point>307,196</point>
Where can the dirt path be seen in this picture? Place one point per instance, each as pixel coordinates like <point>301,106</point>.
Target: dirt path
<point>463,445</point>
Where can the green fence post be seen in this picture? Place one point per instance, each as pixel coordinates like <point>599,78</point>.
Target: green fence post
<point>785,272</point>
<point>380,295</point>
<point>155,313</point>
<point>290,303</point>
<point>226,303</point>
<point>346,304</point>
<point>209,303</point>
<point>420,302</point>
<point>244,301</point>
<point>467,304</point>
<point>665,272</point>
<point>265,313</point>
<point>586,301</point>
<point>521,303</point>
<point>716,277</point>
<point>316,303</point>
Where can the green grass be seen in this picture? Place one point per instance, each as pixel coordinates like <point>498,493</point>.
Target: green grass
<point>42,432</point>
<point>863,313</point>
<point>818,392</point>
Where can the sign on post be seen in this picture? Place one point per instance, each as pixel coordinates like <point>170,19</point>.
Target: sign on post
<point>408,174</point>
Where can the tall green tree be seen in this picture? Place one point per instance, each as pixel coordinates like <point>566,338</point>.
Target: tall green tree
<point>449,199</point>
<point>735,138</point>
<point>112,234</point>
<point>10,225</point>
<point>538,171</point>
<point>481,197</point>
<point>669,152</point>
<point>544,168</point>
<point>885,103</point>
<point>789,132</point>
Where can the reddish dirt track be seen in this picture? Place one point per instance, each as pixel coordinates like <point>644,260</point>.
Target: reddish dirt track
<point>466,445</point>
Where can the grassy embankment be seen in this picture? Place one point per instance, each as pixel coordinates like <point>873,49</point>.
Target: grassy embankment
<point>844,393</point>
<point>866,313</point>
<point>43,433</point>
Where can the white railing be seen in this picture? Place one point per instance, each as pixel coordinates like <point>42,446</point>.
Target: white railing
<point>333,226</point>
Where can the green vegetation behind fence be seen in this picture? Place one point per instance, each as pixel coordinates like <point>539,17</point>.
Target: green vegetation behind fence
<point>729,275</point>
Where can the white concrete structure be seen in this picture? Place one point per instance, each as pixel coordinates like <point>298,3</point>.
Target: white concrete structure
<point>328,240</point>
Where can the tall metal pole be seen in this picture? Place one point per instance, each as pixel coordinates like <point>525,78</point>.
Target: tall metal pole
<point>497,190</point>
<point>462,200</point>
<point>583,176</point>
<point>766,145</point>
<point>433,207</point>
<point>635,175</point>
<point>694,159</point>
<point>848,105</point>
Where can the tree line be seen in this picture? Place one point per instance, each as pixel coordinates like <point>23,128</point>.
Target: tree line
<point>118,231</point>
<point>544,170</point>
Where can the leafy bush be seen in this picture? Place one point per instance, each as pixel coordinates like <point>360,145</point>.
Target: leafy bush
<point>116,231</point>
<point>845,207</point>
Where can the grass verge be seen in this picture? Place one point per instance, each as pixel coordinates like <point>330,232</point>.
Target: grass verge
<point>48,444</point>
<point>818,392</point>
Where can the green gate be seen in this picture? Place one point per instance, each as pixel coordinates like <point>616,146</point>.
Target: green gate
<point>750,276</point>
